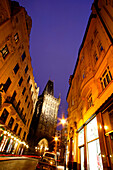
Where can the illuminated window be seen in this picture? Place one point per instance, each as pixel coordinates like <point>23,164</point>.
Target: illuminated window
<point>16,68</point>
<point>4,51</point>
<point>16,37</point>
<point>10,123</point>
<point>106,78</point>
<point>7,84</point>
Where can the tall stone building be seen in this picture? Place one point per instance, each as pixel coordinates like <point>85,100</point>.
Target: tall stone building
<point>18,90</point>
<point>90,95</point>
<point>44,121</point>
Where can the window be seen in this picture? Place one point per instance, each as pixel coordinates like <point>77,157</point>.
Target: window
<point>26,98</point>
<point>95,56</point>
<point>7,84</point>
<point>28,79</point>
<point>100,47</point>
<point>24,135</point>
<point>4,115</point>
<point>106,78</point>
<point>15,128</point>
<point>13,96</point>
<point>28,122</point>
<point>90,101</point>
<point>10,123</point>
<point>16,68</point>
<point>28,105</point>
<point>23,56</point>
<point>24,90</point>
<point>30,87</point>
<point>20,81</point>
<point>26,69</point>
<point>95,33</point>
<point>16,37</point>
<point>4,51</point>
<point>19,131</point>
<point>18,104</point>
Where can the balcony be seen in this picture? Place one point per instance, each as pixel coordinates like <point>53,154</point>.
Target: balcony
<point>14,103</point>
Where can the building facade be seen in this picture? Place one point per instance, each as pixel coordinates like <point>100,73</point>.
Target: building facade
<point>90,95</point>
<point>18,90</point>
<point>44,121</point>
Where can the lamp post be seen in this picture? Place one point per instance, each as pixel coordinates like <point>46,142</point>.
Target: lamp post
<point>63,121</point>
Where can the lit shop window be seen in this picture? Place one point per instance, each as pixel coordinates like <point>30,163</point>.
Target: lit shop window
<point>16,37</point>
<point>106,78</point>
<point>4,51</point>
<point>94,160</point>
<point>81,137</point>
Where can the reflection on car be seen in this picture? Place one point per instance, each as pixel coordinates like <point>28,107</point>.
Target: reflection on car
<point>46,163</point>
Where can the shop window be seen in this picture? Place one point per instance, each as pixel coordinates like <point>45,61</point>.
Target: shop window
<point>26,98</point>
<point>4,51</point>
<point>81,138</point>
<point>16,37</point>
<point>90,101</point>
<point>106,78</point>
<point>20,81</point>
<point>23,56</point>
<point>16,127</point>
<point>10,123</point>
<point>23,90</point>
<point>7,84</point>
<point>26,69</point>
<point>19,131</point>
<point>16,68</point>
<point>24,135</point>
<point>28,79</point>
<point>4,115</point>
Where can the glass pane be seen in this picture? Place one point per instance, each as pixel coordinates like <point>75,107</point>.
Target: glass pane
<point>81,137</point>
<point>82,157</point>
<point>92,130</point>
<point>95,160</point>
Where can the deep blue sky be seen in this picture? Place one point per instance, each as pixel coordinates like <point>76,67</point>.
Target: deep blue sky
<point>58,27</point>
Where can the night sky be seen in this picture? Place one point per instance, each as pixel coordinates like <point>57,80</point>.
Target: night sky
<point>58,27</point>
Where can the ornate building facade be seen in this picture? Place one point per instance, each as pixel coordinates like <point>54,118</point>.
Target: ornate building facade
<point>44,121</point>
<point>18,90</point>
<point>90,95</point>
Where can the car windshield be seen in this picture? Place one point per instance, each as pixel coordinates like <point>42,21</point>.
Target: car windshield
<point>50,155</point>
<point>48,160</point>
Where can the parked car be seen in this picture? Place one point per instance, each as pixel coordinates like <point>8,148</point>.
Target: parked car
<point>48,161</point>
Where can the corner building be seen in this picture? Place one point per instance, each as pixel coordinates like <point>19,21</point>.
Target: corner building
<point>18,90</point>
<point>90,95</point>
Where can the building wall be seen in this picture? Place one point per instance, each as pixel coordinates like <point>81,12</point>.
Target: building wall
<point>20,91</point>
<point>91,83</point>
